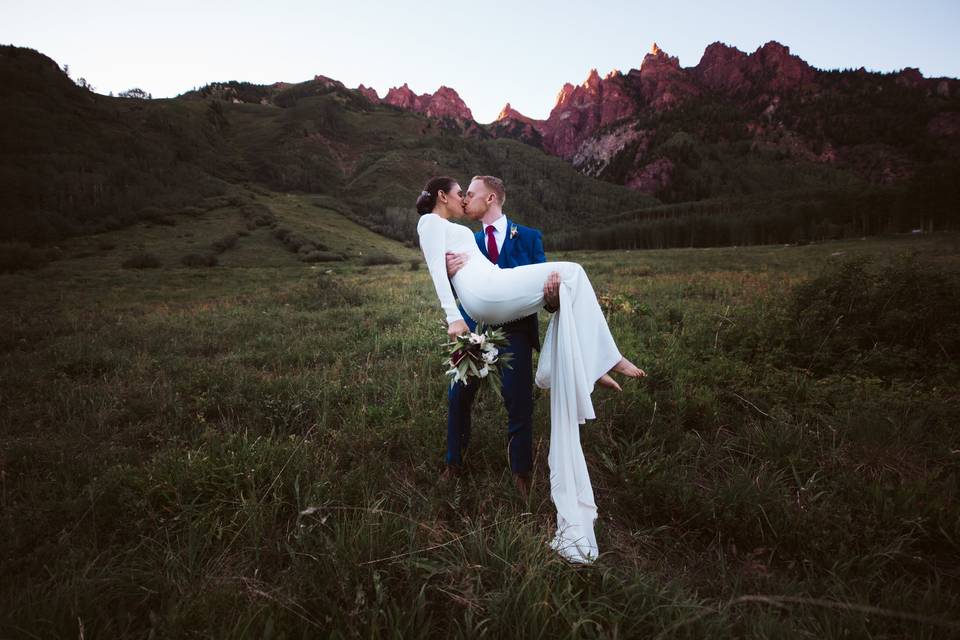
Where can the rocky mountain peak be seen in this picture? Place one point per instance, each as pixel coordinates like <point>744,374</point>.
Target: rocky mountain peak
<point>657,57</point>
<point>789,71</point>
<point>370,93</point>
<point>445,102</point>
<point>509,113</point>
<point>564,94</point>
<point>593,80</point>
<point>328,82</point>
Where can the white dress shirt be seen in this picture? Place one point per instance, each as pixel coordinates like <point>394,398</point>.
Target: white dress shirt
<point>499,232</point>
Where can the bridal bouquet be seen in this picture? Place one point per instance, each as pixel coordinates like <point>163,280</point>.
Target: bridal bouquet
<point>477,355</point>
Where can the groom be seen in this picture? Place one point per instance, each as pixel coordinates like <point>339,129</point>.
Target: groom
<point>507,245</point>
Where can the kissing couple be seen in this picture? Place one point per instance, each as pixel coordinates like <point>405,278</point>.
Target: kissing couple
<point>500,277</point>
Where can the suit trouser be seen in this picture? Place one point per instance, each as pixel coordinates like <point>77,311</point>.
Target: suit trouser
<point>517,390</point>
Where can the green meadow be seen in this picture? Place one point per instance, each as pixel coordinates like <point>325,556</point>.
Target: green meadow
<point>253,448</point>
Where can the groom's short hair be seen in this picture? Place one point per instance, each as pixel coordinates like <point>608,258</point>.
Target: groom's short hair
<point>495,184</point>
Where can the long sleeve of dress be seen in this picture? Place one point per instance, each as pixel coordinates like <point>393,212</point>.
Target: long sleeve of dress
<point>433,244</point>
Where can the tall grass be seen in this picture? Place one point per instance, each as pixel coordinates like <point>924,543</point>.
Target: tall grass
<point>255,451</point>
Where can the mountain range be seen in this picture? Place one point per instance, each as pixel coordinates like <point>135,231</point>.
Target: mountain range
<point>741,148</point>
<point>879,127</point>
<point>772,99</point>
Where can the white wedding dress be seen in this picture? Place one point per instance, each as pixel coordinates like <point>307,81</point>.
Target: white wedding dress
<point>577,349</point>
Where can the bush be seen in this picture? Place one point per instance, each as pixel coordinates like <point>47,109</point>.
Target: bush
<point>297,243</point>
<point>902,316</point>
<point>321,256</point>
<point>414,264</point>
<point>216,202</point>
<point>199,260</point>
<point>896,320</point>
<point>379,258</point>
<point>258,215</point>
<point>224,243</point>
<point>15,256</point>
<point>156,216</point>
<point>142,261</point>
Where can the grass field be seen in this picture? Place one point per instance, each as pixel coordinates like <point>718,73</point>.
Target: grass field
<point>253,449</point>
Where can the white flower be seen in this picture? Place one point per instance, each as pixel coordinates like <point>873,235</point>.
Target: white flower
<point>491,349</point>
<point>477,338</point>
<point>484,371</point>
<point>488,357</point>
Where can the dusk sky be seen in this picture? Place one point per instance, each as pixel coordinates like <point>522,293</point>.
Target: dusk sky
<point>490,52</point>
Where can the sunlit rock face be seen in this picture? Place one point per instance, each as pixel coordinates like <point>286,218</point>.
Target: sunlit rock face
<point>662,83</point>
<point>510,123</point>
<point>445,102</point>
<point>580,110</point>
<point>771,69</point>
<point>369,93</point>
<point>596,152</point>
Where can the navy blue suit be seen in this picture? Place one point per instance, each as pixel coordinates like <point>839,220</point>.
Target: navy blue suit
<point>524,247</point>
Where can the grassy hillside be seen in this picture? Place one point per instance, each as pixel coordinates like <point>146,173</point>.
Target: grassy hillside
<point>73,162</point>
<point>252,449</point>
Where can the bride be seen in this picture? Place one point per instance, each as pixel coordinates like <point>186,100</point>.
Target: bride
<point>578,350</point>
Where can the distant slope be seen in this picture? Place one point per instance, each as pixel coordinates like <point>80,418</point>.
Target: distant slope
<point>73,162</point>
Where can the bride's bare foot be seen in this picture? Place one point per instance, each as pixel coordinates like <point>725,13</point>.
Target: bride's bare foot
<point>606,381</point>
<point>627,368</point>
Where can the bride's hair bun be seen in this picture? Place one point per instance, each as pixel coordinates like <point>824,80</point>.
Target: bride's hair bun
<point>428,197</point>
<point>426,202</point>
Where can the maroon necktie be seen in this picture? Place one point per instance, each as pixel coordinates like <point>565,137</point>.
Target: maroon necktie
<point>492,245</point>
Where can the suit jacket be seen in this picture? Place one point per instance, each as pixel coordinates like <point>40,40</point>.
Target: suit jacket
<point>524,247</point>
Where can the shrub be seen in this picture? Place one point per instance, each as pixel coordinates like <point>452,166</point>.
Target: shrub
<point>899,319</point>
<point>156,216</point>
<point>902,316</point>
<point>258,215</point>
<point>199,260</point>
<point>297,243</point>
<point>414,264</point>
<point>224,243</point>
<point>379,258</point>
<point>321,256</point>
<point>20,255</point>
<point>142,261</point>
<point>216,202</point>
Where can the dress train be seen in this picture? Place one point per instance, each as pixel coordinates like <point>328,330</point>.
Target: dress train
<point>577,349</point>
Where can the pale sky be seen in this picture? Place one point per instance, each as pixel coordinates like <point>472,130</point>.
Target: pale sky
<point>490,52</point>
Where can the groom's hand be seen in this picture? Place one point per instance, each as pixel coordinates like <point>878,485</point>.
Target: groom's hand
<point>455,262</point>
<point>551,292</point>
